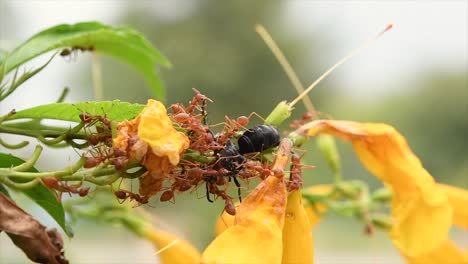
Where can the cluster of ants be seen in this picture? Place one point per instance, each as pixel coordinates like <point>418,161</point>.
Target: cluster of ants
<point>233,154</point>
<point>232,161</point>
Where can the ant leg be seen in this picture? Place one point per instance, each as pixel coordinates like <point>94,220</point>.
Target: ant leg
<point>257,115</point>
<point>236,182</point>
<point>208,193</point>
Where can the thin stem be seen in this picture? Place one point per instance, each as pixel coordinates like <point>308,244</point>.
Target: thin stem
<point>31,162</point>
<point>42,136</point>
<point>8,172</point>
<point>288,69</point>
<point>64,94</point>
<point>19,185</point>
<point>5,117</point>
<point>19,145</point>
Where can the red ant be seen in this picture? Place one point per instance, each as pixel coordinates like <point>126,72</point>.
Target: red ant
<point>92,119</point>
<point>103,133</point>
<point>305,118</point>
<point>97,155</point>
<point>231,127</point>
<point>55,183</point>
<point>201,137</point>
<point>68,51</point>
<point>252,169</point>
<point>124,195</point>
<point>180,185</point>
<point>213,189</point>
<point>199,98</point>
<point>295,178</point>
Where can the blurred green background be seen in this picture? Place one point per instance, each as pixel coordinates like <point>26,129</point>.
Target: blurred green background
<point>410,79</point>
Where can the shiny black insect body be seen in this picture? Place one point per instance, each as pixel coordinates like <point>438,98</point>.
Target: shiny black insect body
<point>258,139</point>
<point>230,158</point>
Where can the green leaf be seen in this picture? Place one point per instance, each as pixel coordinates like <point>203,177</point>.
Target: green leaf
<point>39,194</point>
<point>123,43</point>
<point>112,110</point>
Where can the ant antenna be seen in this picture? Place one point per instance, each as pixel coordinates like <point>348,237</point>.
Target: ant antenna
<point>343,60</point>
<point>288,69</point>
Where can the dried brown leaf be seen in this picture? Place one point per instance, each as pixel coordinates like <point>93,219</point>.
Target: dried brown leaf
<point>39,244</point>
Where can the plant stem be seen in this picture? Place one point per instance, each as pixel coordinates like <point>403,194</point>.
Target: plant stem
<point>9,172</point>
<point>31,162</point>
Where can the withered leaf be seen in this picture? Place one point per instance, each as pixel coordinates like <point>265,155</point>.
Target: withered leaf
<point>39,244</point>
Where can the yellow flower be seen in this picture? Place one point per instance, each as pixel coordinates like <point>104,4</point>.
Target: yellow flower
<point>421,211</point>
<point>297,243</point>
<point>448,252</point>
<point>257,233</point>
<point>270,227</point>
<point>156,129</point>
<point>151,140</point>
<point>297,232</point>
<point>458,199</point>
<point>171,249</point>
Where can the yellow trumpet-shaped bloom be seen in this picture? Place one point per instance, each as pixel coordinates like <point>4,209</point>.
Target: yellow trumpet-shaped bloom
<point>447,253</point>
<point>458,199</point>
<point>421,211</point>
<point>313,214</point>
<point>297,232</point>
<point>171,249</point>
<point>256,236</point>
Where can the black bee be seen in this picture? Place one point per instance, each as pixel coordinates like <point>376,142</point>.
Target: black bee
<point>258,139</point>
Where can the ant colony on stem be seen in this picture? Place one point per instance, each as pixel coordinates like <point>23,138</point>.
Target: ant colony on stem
<point>203,158</point>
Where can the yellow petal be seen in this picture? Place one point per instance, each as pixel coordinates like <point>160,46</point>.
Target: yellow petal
<point>313,214</point>
<point>458,199</point>
<point>385,153</point>
<point>156,129</point>
<point>256,236</point>
<point>171,249</point>
<point>297,232</point>
<point>446,253</point>
<point>224,222</point>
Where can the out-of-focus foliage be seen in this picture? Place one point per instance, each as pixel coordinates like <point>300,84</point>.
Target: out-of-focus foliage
<point>216,50</point>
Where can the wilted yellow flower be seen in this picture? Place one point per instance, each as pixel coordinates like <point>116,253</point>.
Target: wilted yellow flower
<point>421,211</point>
<point>156,129</point>
<point>151,140</point>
